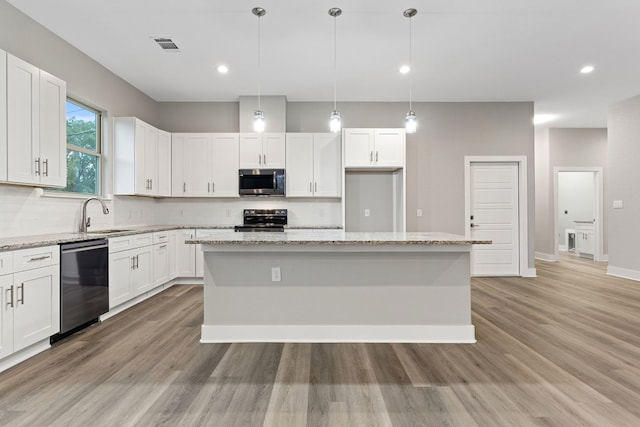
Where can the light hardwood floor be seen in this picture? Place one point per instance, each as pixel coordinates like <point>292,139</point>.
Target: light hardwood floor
<point>562,349</point>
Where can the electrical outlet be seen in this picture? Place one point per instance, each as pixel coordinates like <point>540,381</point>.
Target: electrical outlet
<point>367,212</point>
<point>419,212</point>
<point>618,204</point>
<point>275,274</point>
<point>228,213</point>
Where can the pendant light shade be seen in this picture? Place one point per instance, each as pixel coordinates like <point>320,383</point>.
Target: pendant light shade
<point>258,115</point>
<point>335,122</point>
<point>410,121</point>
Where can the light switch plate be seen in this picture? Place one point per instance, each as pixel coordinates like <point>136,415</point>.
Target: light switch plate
<point>618,204</point>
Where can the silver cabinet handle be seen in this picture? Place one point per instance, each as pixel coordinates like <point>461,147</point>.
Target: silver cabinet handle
<point>137,262</point>
<point>39,258</point>
<point>46,167</point>
<point>208,187</point>
<point>376,156</point>
<point>315,187</point>
<point>133,263</point>
<point>184,187</point>
<point>310,190</point>
<point>21,297</point>
<point>10,299</point>
<point>259,159</point>
<point>150,184</point>
<point>371,156</point>
<point>38,166</point>
<point>264,157</point>
<point>213,187</point>
<point>163,246</point>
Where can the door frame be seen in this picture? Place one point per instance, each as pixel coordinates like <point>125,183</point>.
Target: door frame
<point>599,229</point>
<point>523,223</point>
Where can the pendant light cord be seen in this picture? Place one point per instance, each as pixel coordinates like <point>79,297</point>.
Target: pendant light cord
<point>259,63</point>
<point>335,72</point>
<point>410,65</point>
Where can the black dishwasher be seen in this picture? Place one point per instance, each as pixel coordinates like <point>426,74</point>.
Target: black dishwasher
<point>84,284</point>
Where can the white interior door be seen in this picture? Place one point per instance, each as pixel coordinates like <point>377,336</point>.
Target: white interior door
<point>494,216</point>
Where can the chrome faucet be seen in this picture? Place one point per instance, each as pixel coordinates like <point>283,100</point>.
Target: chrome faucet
<point>86,222</point>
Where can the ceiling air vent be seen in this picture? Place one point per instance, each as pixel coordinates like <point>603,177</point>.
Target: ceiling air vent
<point>166,44</point>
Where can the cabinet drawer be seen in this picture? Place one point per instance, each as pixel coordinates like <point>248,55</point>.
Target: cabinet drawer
<point>6,263</point>
<point>160,237</point>
<point>119,244</point>
<point>140,240</point>
<point>28,259</point>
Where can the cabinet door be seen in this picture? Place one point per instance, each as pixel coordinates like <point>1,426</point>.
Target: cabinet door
<point>389,148</point>
<point>173,254</point>
<point>142,277</point>
<point>273,150</point>
<point>141,179</point>
<point>251,151</point>
<point>121,266</point>
<point>299,148</point>
<point>185,254</point>
<point>178,183</point>
<point>327,165</point>
<point>196,165</point>
<point>164,164</point>
<point>23,120</point>
<point>358,147</point>
<point>161,264</point>
<point>36,315</point>
<point>150,160</point>
<point>7,301</point>
<point>225,162</point>
<point>3,115</point>
<point>53,131</point>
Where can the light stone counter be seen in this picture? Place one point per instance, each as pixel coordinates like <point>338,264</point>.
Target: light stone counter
<point>336,286</point>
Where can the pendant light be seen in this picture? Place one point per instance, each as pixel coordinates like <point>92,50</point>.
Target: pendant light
<point>410,122</point>
<point>258,115</point>
<point>335,123</point>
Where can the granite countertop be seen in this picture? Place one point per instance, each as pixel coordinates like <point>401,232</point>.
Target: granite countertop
<point>335,237</point>
<point>25,242</point>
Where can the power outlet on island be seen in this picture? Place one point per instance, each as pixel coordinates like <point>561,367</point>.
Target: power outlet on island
<point>367,212</point>
<point>275,274</point>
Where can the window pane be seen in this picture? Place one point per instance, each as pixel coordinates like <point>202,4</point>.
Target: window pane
<point>83,171</point>
<point>81,127</point>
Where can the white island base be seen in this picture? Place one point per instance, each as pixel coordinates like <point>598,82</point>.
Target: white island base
<point>336,290</point>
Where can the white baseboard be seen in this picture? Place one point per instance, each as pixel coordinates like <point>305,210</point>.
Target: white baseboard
<point>624,273</point>
<point>530,272</point>
<point>562,248</point>
<point>339,333</point>
<point>546,257</point>
<point>24,354</point>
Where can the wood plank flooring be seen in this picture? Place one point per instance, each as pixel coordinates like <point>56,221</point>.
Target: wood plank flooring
<point>562,349</point>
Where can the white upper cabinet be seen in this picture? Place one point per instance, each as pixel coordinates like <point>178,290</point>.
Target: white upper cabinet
<point>262,150</point>
<point>374,148</point>
<point>205,164</point>
<point>138,156</point>
<point>313,165</point>
<point>164,163</point>
<point>36,125</point>
<point>3,115</point>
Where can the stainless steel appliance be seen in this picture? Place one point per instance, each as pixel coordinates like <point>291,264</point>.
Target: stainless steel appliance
<point>261,182</point>
<point>263,220</point>
<point>84,284</point>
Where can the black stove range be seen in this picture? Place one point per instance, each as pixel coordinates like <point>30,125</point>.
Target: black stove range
<point>265,220</point>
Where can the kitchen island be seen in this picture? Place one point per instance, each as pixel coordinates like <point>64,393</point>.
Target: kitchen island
<point>336,286</point>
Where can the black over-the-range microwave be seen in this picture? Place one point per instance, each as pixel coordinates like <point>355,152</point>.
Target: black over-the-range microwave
<point>261,182</point>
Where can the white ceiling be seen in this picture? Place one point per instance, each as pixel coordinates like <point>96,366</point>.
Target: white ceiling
<point>463,50</point>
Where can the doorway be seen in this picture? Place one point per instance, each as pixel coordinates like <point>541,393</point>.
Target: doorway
<point>496,210</point>
<point>578,211</point>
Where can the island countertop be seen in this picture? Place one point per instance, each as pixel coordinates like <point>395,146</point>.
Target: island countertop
<point>334,237</point>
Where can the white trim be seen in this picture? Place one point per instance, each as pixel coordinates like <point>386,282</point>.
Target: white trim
<point>546,257</point>
<point>338,333</point>
<point>523,213</point>
<point>599,226</point>
<point>530,272</point>
<point>24,354</point>
<point>624,273</point>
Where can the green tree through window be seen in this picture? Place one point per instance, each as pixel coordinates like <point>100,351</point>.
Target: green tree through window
<point>83,149</point>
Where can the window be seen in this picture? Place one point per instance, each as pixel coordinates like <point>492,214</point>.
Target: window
<point>84,161</point>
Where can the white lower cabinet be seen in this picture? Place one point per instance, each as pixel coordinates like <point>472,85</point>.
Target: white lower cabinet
<point>130,267</point>
<point>30,297</point>
<point>585,240</point>
<point>161,258</point>
<point>185,254</point>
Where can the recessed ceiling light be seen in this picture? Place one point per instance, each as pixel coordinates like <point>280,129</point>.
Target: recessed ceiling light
<point>405,69</point>
<point>587,69</point>
<point>539,119</point>
<point>223,69</point>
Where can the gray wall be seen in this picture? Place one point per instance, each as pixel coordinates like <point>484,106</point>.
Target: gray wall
<point>564,148</point>
<point>373,191</point>
<point>623,179</point>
